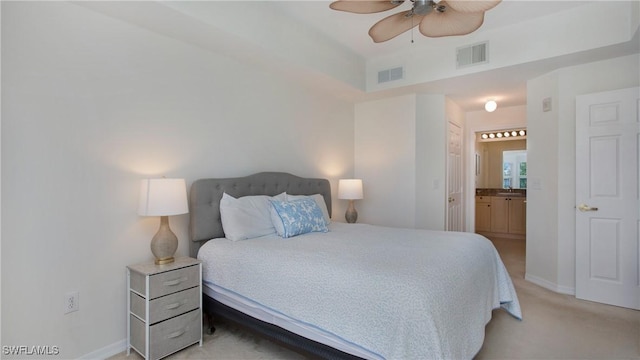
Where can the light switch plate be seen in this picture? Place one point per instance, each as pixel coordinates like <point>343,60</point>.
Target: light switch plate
<point>546,104</point>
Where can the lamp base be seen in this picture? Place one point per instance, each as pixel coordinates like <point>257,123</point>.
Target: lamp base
<point>164,243</point>
<point>351,215</point>
<point>165,261</point>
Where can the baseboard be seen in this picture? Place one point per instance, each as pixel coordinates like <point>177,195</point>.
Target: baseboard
<point>549,285</point>
<point>107,351</point>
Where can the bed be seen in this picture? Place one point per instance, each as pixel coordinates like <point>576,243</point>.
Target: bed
<point>347,290</point>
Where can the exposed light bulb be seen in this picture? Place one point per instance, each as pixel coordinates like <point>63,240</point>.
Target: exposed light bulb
<point>490,106</point>
<point>503,135</point>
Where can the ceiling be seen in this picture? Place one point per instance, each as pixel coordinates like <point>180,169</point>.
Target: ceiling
<point>506,84</point>
<point>351,30</point>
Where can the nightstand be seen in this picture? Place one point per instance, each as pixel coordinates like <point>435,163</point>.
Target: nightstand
<point>164,307</point>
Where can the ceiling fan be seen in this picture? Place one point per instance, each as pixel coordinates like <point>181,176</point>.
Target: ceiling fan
<point>436,18</point>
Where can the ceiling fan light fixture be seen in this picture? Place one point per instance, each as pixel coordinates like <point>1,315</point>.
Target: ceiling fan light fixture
<point>490,106</point>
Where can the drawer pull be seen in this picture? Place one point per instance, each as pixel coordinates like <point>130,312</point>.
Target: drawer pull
<point>176,334</point>
<point>174,282</point>
<point>173,306</point>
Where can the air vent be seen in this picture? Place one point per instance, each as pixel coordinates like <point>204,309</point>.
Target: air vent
<point>390,75</point>
<point>472,55</point>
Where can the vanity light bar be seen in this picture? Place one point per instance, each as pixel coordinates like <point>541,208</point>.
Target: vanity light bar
<point>504,134</point>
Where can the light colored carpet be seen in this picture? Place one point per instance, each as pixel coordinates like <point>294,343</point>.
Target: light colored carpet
<point>554,326</point>
<point>557,326</point>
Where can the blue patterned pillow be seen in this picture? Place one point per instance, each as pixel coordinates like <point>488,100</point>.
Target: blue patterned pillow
<point>291,218</point>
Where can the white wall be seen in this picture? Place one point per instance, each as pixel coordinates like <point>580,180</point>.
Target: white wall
<point>385,151</point>
<point>400,155</point>
<point>430,162</point>
<point>542,194</point>
<point>90,106</point>
<point>551,158</point>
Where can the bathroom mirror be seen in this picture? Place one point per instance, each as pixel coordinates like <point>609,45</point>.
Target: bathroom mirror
<point>514,169</point>
<point>490,167</point>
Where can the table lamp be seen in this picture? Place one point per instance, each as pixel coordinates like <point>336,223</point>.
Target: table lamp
<point>163,197</point>
<point>350,189</point>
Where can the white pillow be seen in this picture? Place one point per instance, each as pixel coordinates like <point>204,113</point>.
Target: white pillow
<point>319,199</point>
<point>247,217</point>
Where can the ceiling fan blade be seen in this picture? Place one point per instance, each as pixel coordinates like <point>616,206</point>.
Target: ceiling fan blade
<point>472,5</point>
<point>450,23</point>
<point>394,25</point>
<point>364,6</point>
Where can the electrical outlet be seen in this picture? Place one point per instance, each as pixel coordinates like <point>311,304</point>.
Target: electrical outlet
<point>71,302</point>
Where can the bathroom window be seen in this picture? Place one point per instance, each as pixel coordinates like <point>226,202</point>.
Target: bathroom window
<point>514,169</point>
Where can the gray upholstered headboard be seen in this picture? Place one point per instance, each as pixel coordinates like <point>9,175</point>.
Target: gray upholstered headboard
<point>205,195</point>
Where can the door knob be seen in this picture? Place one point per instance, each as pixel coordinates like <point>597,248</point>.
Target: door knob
<point>585,207</point>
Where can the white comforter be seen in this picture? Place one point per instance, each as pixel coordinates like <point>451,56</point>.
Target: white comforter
<point>400,293</point>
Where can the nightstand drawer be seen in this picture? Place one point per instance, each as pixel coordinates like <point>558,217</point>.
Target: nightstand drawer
<point>174,334</point>
<point>167,306</point>
<point>168,336</point>
<point>173,281</point>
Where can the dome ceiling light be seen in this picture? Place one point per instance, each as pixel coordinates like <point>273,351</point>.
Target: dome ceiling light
<point>490,106</point>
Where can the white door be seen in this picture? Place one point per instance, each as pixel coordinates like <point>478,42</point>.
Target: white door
<point>607,196</point>
<point>455,221</point>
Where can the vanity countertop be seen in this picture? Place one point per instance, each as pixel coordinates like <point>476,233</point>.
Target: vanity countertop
<point>502,192</point>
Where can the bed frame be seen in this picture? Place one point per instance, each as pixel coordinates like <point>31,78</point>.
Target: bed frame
<point>205,224</point>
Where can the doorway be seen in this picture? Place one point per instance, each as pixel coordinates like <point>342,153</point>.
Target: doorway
<point>477,123</point>
<point>500,184</point>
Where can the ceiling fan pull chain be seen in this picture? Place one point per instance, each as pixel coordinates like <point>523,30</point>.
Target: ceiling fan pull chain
<point>412,26</point>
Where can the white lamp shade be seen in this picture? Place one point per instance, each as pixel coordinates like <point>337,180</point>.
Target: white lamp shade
<point>350,189</point>
<point>163,197</point>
